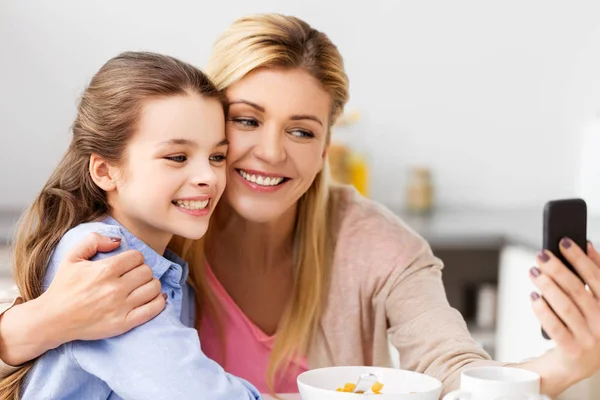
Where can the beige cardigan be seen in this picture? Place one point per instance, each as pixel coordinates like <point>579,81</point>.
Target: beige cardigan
<point>387,283</point>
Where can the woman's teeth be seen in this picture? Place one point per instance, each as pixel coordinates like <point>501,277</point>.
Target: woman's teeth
<point>261,180</point>
<point>191,204</point>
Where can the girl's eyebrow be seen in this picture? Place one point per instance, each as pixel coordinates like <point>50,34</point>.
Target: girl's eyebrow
<point>185,142</point>
<point>223,142</point>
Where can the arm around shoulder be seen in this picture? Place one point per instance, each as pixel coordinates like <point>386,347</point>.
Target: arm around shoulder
<point>24,334</point>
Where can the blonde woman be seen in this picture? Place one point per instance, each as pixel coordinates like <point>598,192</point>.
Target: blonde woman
<point>295,271</point>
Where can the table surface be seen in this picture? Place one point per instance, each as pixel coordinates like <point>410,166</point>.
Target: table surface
<point>294,396</point>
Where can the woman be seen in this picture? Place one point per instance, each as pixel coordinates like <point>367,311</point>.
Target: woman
<point>302,273</point>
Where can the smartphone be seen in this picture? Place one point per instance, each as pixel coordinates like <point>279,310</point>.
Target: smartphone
<point>565,218</point>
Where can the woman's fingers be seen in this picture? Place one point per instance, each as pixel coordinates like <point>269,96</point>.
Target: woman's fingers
<point>587,269</point>
<point>91,245</point>
<point>585,301</point>
<point>593,254</point>
<point>136,278</point>
<point>145,313</point>
<point>122,263</point>
<point>562,304</point>
<point>144,293</point>
<point>551,323</point>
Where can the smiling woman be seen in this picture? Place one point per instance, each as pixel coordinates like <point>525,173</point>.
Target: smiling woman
<point>271,141</point>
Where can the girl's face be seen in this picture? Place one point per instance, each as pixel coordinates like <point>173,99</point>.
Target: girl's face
<point>174,172</point>
<point>277,125</point>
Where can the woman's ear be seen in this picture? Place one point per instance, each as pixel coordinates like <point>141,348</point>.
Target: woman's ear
<point>324,157</point>
<point>103,174</point>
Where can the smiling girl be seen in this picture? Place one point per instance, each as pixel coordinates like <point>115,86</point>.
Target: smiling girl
<point>146,162</point>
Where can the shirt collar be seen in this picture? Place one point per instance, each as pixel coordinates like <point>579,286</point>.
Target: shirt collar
<point>158,263</point>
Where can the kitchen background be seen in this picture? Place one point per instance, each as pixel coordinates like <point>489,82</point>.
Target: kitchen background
<point>495,106</point>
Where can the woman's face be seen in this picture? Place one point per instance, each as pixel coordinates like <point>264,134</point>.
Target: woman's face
<point>277,129</point>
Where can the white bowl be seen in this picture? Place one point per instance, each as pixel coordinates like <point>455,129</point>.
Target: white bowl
<point>321,383</point>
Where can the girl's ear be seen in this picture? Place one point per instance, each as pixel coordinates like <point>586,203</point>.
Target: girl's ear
<point>103,174</point>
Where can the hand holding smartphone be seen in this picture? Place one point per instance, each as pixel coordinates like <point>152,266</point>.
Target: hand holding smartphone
<point>564,218</point>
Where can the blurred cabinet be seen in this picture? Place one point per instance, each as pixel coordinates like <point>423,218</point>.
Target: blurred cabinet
<point>466,270</point>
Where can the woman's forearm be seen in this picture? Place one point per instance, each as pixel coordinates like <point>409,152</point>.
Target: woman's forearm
<point>26,332</point>
<point>553,380</point>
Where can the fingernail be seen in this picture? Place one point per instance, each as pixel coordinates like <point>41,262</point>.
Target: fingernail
<point>566,243</point>
<point>115,239</point>
<point>590,243</point>
<point>543,256</point>
<point>535,271</point>
<point>534,296</point>
<point>164,296</point>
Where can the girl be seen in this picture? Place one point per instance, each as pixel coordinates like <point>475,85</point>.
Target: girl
<point>147,161</point>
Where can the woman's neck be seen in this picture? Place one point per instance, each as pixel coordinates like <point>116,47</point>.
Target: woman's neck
<point>235,242</point>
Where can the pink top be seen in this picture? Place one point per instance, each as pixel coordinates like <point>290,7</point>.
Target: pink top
<point>247,347</point>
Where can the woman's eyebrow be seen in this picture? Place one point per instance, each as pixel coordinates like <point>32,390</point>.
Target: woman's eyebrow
<point>251,104</point>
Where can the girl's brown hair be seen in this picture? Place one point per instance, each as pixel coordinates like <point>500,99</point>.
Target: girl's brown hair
<point>107,118</point>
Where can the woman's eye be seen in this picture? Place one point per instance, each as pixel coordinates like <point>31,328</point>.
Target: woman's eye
<point>245,122</point>
<point>302,134</point>
<point>218,158</point>
<point>177,159</point>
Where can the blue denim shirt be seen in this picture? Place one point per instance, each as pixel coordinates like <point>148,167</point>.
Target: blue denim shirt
<point>160,359</point>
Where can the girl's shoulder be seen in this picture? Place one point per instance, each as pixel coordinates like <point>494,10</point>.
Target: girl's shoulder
<point>76,235</point>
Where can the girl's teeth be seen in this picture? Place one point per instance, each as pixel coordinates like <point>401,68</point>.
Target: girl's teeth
<point>261,180</point>
<point>192,204</point>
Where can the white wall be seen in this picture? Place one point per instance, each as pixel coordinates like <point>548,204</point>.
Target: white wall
<point>583,110</point>
<point>481,91</point>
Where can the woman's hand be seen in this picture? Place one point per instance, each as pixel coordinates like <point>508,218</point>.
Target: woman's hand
<point>570,314</point>
<point>86,300</point>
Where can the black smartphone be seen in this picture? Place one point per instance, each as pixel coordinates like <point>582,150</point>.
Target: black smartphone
<point>565,218</point>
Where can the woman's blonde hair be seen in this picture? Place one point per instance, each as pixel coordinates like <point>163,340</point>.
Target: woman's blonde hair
<point>106,119</point>
<point>278,41</point>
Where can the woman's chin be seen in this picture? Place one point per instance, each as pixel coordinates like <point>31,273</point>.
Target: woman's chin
<point>258,210</point>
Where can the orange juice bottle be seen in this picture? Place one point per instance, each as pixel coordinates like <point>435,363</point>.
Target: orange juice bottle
<point>359,173</point>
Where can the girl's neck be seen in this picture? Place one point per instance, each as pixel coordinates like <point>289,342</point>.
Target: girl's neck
<point>235,242</point>
<point>155,239</point>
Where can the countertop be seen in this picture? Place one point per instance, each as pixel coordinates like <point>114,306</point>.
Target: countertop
<point>470,228</point>
<point>8,221</point>
<point>442,228</point>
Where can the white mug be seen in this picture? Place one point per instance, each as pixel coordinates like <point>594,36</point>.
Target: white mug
<point>497,383</point>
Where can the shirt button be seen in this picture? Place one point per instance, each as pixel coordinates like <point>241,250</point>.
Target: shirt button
<point>172,294</point>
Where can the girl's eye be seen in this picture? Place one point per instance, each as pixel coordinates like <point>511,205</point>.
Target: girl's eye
<point>217,158</point>
<point>245,122</point>
<point>177,159</point>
